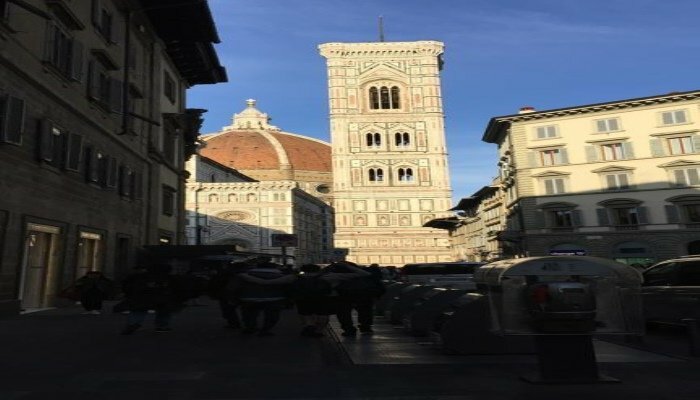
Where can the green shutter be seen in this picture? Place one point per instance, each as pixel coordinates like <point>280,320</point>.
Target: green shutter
<point>603,219</point>
<point>672,215</point>
<point>577,218</point>
<point>642,215</point>
<point>564,156</point>
<point>657,149</point>
<point>696,143</point>
<point>591,153</point>
<point>628,150</point>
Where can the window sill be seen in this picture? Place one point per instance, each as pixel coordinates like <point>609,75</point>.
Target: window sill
<point>626,227</point>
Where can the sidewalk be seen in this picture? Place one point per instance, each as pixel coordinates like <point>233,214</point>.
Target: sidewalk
<point>61,354</point>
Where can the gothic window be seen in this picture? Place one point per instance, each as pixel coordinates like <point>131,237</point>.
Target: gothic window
<point>405,175</point>
<point>384,97</point>
<point>376,175</point>
<point>232,198</point>
<point>374,139</point>
<point>213,198</point>
<point>402,139</point>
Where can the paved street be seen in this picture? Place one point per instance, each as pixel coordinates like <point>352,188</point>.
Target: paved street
<point>61,354</point>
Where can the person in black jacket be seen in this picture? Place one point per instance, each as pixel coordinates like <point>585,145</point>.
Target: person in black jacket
<point>225,288</point>
<point>93,289</point>
<point>360,294</point>
<point>264,289</point>
<point>156,289</point>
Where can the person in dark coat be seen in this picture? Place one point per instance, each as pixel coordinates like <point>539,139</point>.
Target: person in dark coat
<point>225,288</point>
<point>359,294</point>
<point>93,289</point>
<point>264,289</point>
<point>156,289</point>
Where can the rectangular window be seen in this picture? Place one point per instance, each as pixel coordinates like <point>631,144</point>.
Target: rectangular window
<point>546,132</point>
<point>168,200</point>
<point>692,212</point>
<point>74,152</point>
<point>52,140</point>
<point>674,117</point>
<point>554,186</point>
<point>562,218</point>
<point>607,125</point>
<point>617,181</point>
<point>687,177</point>
<point>102,20</point>
<point>625,216</point>
<point>680,145</point>
<point>550,157</point>
<point>613,151</point>
<point>102,88</point>
<point>169,89</point>
<point>11,119</point>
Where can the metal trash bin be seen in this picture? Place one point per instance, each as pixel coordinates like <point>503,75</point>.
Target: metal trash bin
<point>463,327</point>
<point>419,321</point>
<point>404,301</point>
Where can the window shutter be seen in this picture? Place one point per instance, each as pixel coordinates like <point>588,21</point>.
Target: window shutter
<point>539,220</point>
<point>93,81</point>
<point>96,12</point>
<point>679,175</point>
<point>46,140</point>
<point>559,185</point>
<point>532,159</point>
<point>696,143</point>
<point>577,217</point>
<point>77,61</point>
<point>115,95</point>
<point>564,156</point>
<point>628,150</point>
<point>92,170</point>
<point>603,219</point>
<point>49,41</point>
<point>591,153</point>
<point>12,120</point>
<point>622,179</point>
<point>672,215</point>
<point>642,215</point>
<point>115,31</point>
<point>137,190</point>
<point>549,186</point>
<point>657,149</point>
<point>74,152</point>
<point>612,184</point>
<point>112,172</point>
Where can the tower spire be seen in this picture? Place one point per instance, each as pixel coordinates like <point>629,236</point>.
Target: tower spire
<point>381,28</point>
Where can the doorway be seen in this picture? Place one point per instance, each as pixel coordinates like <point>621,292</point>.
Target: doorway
<point>38,266</point>
<point>89,253</point>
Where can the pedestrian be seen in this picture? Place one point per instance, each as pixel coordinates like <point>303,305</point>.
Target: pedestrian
<point>225,288</point>
<point>152,288</point>
<point>93,288</point>
<point>312,296</point>
<point>359,294</point>
<point>264,289</point>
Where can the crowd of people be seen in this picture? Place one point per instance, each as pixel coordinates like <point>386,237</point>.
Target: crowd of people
<point>251,295</point>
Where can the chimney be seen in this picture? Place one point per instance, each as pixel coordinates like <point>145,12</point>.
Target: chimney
<point>526,110</point>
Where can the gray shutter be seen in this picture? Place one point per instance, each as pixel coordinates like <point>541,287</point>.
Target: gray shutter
<point>112,169</point>
<point>539,220</point>
<point>92,172</point>
<point>93,81</point>
<point>549,186</point>
<point>116,33</point>
<point>642,215</point>
<point>611,182</point>
<point>564,156</point>
<point>14,120</point>
<point>74,151</point>
<point>591,153</point>
<point>49,41</point>
<point>559,183</point>
<point>622,179</point>
<point>672,215</point>
<point>96,12</point>
<point>696,143</point>
<point>46,140</point>
<point>577,217</point>
<point>115,95</point>
<point>629,151</point>
<point>532,159</point>
<point>680,178</point>
<point>77,61</point>
<point>657,149</point>
<point>138,185</point>
<point>603,219</point>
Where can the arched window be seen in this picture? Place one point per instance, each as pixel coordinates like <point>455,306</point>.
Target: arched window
<point>376,175</point>
<point>373,98</point>
<point>377,139</point>
<point>405,175</point>
<point>370,140</point>
<point>232,198</point>
<point>213,198</point>
<point>384,97</point>
<point>380,175</point>
<point>373,139</point>
<point>395,97</point>
<point>251,198</point>
<point>406,139</point>
<point>402,139</point>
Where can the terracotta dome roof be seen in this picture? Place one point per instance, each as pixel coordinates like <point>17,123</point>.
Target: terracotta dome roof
<point>267,149</point>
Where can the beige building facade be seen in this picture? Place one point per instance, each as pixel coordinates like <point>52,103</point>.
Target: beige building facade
<point>617,179</point>
<point>390,173</point>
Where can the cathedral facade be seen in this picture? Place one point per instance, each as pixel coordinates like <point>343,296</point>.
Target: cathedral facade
<point>390,172</point>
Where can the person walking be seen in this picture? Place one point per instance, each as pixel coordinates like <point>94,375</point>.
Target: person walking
<point>359,293</point>
<point>225,288</point>
<point>312,296</point>
<point>155,289</point>
<point>93,289</point>
<point>264,289</point>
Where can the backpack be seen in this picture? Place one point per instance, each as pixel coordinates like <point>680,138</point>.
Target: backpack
<point>361,287</point>
<point>306,287</point>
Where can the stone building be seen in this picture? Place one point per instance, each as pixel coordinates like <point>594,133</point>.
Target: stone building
<point>93,135</point>
<point>390,172</point>
<point>287,189</point>
<point>617,179</point>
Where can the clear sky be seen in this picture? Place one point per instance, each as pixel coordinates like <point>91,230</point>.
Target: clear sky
<point>500,55</point>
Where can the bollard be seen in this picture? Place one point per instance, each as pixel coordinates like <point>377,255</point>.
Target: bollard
<point>693,326</point>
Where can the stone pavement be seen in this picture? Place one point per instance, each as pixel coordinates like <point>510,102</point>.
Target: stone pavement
<point>61,354</point>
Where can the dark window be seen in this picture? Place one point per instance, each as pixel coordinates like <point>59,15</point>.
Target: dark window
<point>11,119</point>
<point>562,218</point>
<point>395,97</point>
<point>52,142</point>
<point>169,146</point>
<point>137,185</point>
<point>405,174</point>
<point>168,200</point>
<point>376,174</point>
<point>373,98</point>
<point>625,216</point>
<point>373,139</point>
<point>169,89</point>
<point>74,152</point>
<point>92,156</point>
<point>102,20</point>
<point>104,89</point>
<point>385,101</point>
<point>689,274</point>
<point>125,177</point>
<point>112,175</point>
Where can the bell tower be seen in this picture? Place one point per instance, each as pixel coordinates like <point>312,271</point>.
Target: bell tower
<point>390,172</point>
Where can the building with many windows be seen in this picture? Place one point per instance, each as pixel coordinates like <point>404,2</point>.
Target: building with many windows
<point>618,179</point>
<point>94,132</point>
<point>390,173</point>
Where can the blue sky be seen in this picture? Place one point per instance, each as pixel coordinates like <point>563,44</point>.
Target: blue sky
<point>500,55</point>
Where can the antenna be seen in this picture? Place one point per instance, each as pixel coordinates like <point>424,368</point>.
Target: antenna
<point>381,28</point>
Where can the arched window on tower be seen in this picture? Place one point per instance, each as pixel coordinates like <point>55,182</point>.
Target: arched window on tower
<point>373,98</point>
<point>405,174</point>
<point>373,139</point>
<point>377,140</point>
<point>395,97</point>
<point>406,139</point>
<point>384,98</point>
<point>375,175</point>
<point>402,139</point>
<point>370,140</point>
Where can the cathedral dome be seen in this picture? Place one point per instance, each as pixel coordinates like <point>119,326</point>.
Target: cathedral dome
<point>262,151</point>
